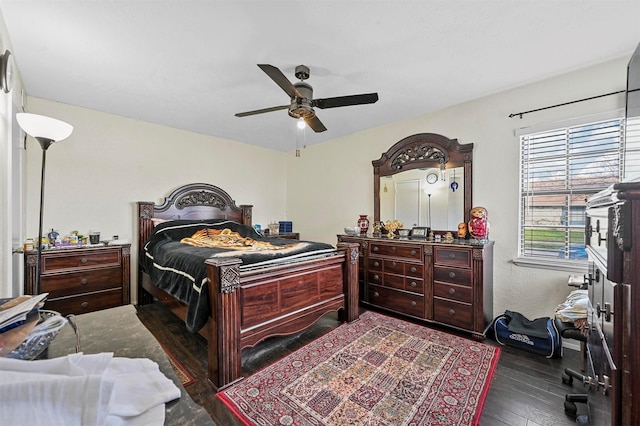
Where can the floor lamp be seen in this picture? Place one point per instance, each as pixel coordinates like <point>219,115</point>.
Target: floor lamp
<point>45,130</point>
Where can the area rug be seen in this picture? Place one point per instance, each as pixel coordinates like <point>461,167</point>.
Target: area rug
<point>185,377</point>
<point>376,371</point>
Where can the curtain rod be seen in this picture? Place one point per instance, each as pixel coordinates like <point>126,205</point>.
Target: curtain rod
<point>563,104</point>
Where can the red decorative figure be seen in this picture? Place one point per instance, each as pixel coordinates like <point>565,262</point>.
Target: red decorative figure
<point>479,223</point>
<point>462,230</point>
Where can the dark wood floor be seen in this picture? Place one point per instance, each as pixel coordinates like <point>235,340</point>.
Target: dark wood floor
<point>526,390</point>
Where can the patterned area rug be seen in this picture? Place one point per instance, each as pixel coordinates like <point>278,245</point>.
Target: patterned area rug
<point>377,371</point>
<point>185,377</point>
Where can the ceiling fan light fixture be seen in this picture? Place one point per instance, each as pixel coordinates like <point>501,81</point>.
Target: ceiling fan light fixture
<point>301,123</point>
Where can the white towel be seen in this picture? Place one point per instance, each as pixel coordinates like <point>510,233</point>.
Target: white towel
<point>84,390</point>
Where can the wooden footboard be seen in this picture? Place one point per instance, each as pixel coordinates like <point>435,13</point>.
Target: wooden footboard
<point>248,307</point>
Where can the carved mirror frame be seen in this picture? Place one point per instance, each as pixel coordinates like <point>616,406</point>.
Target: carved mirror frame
<point>424,150</point>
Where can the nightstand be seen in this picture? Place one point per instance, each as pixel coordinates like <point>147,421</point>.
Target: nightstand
<point>82,279</point>
<point>288,235</point>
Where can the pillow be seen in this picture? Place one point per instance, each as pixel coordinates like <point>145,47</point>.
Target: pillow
<point>157,221</point>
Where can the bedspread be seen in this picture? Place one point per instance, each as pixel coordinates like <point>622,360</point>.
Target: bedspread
<point>179,268</point>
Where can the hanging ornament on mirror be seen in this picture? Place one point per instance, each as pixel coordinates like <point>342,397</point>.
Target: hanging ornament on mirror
<point>454,184</point>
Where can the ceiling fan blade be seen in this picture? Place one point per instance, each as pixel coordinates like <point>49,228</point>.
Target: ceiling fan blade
<point>315,124</point>
<point>341,101</point>
<point>260,111</point>
<point>280,79</point>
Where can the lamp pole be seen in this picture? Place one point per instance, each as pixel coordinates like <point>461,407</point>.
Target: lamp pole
<point>44,143</point>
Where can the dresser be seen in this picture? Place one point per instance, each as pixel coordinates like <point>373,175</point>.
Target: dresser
<point>613,343</point>
<point>450,284</point>
<point>80,280</point>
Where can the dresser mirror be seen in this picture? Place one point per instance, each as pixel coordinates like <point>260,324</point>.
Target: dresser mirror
<point>424,180</point>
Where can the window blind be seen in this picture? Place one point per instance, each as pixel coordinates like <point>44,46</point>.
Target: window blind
<point>560,169</point>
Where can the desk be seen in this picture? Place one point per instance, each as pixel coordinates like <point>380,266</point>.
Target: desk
<point>119,330</point>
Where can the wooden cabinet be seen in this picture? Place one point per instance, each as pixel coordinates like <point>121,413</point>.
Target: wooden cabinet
<point>445,283</point>
<point>613,344</point>
<point>80,280</point>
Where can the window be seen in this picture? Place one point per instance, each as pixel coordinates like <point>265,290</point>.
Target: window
<point>559,169</point>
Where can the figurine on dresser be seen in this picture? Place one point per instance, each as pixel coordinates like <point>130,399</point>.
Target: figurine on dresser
<point>479,223</point>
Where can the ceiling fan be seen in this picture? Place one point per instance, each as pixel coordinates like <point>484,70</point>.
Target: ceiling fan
<point>302,102</point>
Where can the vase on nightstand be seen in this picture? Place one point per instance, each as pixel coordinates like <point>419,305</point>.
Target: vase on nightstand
<point>363,224</point>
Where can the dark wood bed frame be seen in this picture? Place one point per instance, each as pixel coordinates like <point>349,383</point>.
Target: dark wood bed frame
<point>249,306</point>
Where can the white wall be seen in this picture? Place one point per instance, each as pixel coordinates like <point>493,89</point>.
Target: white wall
<point>94,178</point>
<point>332,183</point>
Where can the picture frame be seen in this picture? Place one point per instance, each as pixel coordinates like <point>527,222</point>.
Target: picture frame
<point>420,232</point>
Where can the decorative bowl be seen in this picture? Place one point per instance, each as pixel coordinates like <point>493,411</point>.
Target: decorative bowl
<point>403,232</point>
<point>352,230</point>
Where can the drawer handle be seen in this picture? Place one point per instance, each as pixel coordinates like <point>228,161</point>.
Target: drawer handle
<point>413,252</point>
<point>393,263</point>
<point>413,284</point>
<point>376,294</point>
<point>413,303</point>
<point>452,256</point>
<point>376,277</point>
<point>413,269</point>
<point>452,312</point>
<point>375,248</point>
<point>452,274</point>
<point>83,260</point>
<point>84,304</point>
<point>393,248</point>
<point>452,291</point>
<point>84,281</point>
<point>376,264</point>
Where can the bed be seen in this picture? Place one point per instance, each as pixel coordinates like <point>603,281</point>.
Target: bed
<point>245,300</point>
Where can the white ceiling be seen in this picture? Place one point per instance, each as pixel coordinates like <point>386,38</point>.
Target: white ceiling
<point>192,64</point>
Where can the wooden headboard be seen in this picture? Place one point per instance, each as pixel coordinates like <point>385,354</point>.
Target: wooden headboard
<point>192,201</point>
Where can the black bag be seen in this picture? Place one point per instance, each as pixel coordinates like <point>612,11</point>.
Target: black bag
<point>539,336</point>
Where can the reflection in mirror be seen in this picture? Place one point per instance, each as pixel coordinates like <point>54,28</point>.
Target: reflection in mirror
<point>414,201</point>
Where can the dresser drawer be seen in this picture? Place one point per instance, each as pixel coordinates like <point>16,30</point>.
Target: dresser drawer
<point>455,292</point>
<point>60,285</point>
<point>452,275</point>
<point>452,256</point>
<point>86,259</point>
<point>414,284</point>
<point>453,313</point>
<point>87,302</point>
<point>375,264</point>
<point>401,251</point>
<point>395,300</point>
<point>402,268</point>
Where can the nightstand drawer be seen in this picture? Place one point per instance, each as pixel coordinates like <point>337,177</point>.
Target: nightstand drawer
<point>86,302</point>
<point>452,275</point>
<point>454,292</point>
<point>60,285</point>
<point>452,256</point>
<point>60,261</point>
<point>453,313</point>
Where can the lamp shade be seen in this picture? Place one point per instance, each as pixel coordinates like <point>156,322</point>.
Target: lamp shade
<point>39,126</point>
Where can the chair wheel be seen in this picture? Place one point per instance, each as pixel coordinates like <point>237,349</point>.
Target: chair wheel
<point>582,420</point>
<point>567,379</point>
<point>570,409</point>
